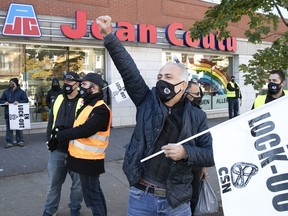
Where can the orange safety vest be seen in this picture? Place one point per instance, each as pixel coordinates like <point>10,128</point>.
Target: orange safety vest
<point>92,147</point>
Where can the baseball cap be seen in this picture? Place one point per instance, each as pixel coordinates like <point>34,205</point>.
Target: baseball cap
<point>94,78</point>
<point>71,76</point>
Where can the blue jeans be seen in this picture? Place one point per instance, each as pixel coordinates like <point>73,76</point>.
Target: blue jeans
<point>57,172</point>
<point>143,203</point>
<point>93,195</point>
<point>233,107</point>
<point>9,134</point>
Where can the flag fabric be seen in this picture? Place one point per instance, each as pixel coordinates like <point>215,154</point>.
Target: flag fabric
<point>118,91</point>
<point>251,159</point>
<point>19,117</point>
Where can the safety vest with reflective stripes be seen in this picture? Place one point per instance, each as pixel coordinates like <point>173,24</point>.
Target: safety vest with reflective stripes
<point>231,94</point>
<point>57,104</point>
<point>93,147</point>
<point>260,99</point>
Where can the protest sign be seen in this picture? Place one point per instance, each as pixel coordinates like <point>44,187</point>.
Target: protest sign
<point>118,91</point>
<point>251,158</point>
<point>19,116</point>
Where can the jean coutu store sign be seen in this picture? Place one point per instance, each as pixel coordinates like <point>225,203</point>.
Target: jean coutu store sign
<point>21,20</point>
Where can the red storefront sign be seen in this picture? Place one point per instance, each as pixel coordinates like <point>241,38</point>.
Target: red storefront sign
<point>125,30</point>
<point>148,34</point>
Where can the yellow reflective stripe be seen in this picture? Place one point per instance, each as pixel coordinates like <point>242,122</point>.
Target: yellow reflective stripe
<point>99,137</point>
<point>259,101</point>
<point>57,103</point>
<point>56,106</point>
<point>87,147</point>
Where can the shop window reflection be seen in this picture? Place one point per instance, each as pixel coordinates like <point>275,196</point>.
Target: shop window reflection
<point>36,65</point>
<point>11,65</point>
<point>211,72</point>
<point>42,64</point>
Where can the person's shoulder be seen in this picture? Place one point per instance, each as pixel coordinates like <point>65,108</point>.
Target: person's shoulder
<point>19,89</point>
<point>6,90</point>
<point>101,109</point>
<point>261,96</point>
<point>197,111</point>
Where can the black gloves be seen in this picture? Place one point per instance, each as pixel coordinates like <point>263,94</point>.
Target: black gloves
<point>53,142</point>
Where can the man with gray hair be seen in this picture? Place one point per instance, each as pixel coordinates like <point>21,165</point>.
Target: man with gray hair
<point>162,184</point>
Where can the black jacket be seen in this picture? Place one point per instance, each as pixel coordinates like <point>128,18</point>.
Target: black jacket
<point>65,117</point>
<point>11,96</point>
<point>98,121</point>
<point>151,114</point>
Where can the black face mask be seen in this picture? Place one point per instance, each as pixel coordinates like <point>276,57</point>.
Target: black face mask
<point>273,88</point>
<point>68,89</point>
<point>196,101</point>
<point>84,93</point>
<point>11,85</point>
<point>165,90</point>
<point>233,80</point>
<point>55,86</point>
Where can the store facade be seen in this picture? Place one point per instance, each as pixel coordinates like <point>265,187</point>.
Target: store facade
<point>48,46</point>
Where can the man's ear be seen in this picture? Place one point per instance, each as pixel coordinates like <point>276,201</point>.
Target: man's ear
<point>184,85</point>
<point>95,88</point>
<point>283,83</point>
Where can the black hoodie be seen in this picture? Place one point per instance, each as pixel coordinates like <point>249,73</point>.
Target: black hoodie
<point>53,92</point>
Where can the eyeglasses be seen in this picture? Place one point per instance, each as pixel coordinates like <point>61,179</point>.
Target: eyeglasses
<point>193,93</point>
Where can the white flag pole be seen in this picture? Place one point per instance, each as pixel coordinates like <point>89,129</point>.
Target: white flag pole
<point>179,143</point>
<point>226,122</point>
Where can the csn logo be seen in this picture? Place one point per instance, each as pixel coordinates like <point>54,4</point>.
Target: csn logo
<point>240,175</point>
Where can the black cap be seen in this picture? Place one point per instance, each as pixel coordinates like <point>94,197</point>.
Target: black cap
<point>15,80</point>
<point>94,78</point>
<point>71,76</point>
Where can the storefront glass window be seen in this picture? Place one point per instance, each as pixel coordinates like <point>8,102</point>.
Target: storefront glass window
<point>210,71</point>
<point>86,60</point>
<point>41,64</point>
<point>11,65</point>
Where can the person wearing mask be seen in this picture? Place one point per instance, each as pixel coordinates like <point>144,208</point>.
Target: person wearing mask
<point>106,93</point>
<point>14,94</point>
<point>89,139</point>
<point>233,94</point>
<point>62,116</point>
<point>53,92</point>
<point>194,94</point>
<point>275,89</point>
<point>162,184</point>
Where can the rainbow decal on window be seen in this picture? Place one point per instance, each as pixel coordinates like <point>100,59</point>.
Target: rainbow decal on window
<point>217,79</point>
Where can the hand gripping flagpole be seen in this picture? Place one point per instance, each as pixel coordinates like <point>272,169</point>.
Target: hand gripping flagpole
<point>264,107</point>
<point>179,143</point>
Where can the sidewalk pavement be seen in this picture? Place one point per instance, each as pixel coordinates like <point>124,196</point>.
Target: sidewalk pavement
<point>23,177</point>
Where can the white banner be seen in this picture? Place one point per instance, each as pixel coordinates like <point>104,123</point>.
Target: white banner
<point>19,116</point>
<point>250,153</point>
<point>118,91</point>
<point>251,158</point>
